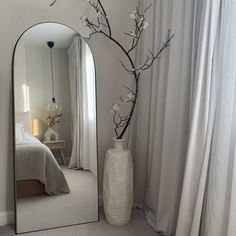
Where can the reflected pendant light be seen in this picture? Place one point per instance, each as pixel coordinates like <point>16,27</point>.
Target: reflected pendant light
<point>52,106</point>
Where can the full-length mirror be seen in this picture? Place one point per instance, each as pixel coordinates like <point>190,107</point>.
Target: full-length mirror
<point>55,154</point>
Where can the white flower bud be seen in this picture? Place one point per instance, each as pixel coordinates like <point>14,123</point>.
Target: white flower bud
<point>130,96</point>
<point>133,15</point>
<point>83,18</point>
<point>132,33</point>
<point>145,25</point>
<point>116,107</point>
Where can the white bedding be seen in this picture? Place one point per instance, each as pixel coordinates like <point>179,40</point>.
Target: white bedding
<point>34,161</point>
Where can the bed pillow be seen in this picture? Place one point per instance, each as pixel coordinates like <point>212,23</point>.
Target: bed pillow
<point>24,118</point>
<point>29,137</point>
<point>19,130</point>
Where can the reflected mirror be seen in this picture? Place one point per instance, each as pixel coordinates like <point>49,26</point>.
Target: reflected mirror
<point>55,144</point>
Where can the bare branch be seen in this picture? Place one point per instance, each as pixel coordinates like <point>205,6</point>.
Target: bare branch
<point>147,8</point>
<point>128,70</point>
<point>157,56</point>
<point>129,89</point>
<point>123,122</point>
<point>126,100</point>
<point>135,43</point>
<point>139,27</point>
<point>106,18</point>
<point>53,3</point>
<point>145,63</point>
<point>131,34</point>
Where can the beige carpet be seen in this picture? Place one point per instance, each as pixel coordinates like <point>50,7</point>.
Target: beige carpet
<point>137,227</point>
<point>79,206</point>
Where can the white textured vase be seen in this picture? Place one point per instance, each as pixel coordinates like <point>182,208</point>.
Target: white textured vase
<point>51,134</point>
<point>118,184</point>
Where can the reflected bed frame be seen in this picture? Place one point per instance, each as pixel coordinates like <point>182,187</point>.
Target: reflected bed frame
<point>29,188</point>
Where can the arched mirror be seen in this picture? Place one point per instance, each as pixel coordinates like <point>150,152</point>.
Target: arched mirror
<point>55,140</point>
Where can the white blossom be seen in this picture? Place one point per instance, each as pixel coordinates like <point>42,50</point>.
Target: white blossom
<point>145,25</point>
<point>98,14</point>
<point>140,23</point>
<point>84,18</point>
<point>116,107</point>
<point>133,15</point>
<point>125,100</point>
<point>130,96</point>
<point>133,34</point>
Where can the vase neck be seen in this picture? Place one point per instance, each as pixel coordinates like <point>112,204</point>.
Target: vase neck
<point>120,143</point>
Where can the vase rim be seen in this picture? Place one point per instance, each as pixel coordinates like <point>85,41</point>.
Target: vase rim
<point>119,139</point>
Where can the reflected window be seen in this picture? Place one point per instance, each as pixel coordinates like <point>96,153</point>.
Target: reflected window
<point>26,97</point>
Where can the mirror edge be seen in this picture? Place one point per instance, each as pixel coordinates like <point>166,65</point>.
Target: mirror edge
<point>13,128</point>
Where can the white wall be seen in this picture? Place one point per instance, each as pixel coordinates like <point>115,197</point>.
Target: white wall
<point>38,78</point>
<point>15,17</point>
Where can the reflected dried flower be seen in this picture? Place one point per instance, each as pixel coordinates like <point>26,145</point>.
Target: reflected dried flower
<point>51,120</point>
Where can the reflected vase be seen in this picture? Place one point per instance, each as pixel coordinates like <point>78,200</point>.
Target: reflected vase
<point>118,184</point>
<point>51,135</point>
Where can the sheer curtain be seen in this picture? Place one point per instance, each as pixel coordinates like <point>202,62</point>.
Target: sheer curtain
<point>83,106</point>
<point>208,198</point>
<point>204,97</point>
<point>161,129</point>
<point>188,144</point>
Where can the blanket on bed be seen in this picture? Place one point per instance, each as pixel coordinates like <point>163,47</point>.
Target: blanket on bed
<point>34,161</point>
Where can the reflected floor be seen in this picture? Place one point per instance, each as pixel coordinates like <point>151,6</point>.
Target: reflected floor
<point>79,206</point>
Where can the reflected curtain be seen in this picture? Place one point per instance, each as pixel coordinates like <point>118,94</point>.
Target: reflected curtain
<point>83,106</point>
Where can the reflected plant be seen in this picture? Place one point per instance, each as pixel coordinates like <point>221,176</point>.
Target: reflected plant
<point>102,26</point>
<point>51,119</point>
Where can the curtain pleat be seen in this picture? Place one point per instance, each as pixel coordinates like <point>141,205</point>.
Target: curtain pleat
<point>185,138</point>
<point>162,120</point>
<point>83,106</point>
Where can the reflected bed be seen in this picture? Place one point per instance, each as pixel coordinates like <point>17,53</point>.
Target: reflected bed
<point>37,169</point>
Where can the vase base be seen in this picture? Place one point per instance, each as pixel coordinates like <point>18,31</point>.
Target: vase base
<point>117,222</point>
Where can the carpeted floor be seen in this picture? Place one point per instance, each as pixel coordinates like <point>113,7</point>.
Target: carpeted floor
<point>137,227</point>
<point>79,206</point>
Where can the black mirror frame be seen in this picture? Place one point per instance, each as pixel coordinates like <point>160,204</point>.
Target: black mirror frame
<point>13,121</point>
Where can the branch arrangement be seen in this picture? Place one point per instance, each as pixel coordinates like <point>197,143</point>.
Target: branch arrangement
<point>102,26</point>
<point>51,120</point>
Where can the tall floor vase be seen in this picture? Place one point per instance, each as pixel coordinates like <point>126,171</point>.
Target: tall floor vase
<point>118,184</point>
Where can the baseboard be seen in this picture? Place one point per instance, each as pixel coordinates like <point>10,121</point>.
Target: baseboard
<point>6,217</point>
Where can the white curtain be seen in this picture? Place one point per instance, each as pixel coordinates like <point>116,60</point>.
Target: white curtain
<point>208,198</point>
<point>83,106</point>
<point>161,129</point>
<point>184,141</point>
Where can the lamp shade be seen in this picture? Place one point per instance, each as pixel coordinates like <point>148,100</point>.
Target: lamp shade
<point>52,108</point>
<point>35,127</point>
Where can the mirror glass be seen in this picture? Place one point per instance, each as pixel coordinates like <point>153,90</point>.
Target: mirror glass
<point>55,142</point>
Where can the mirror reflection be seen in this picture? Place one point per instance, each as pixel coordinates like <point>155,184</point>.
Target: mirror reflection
<point>55,129</point>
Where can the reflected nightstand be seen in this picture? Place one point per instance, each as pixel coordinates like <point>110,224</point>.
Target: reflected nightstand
<point>57,145</point>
